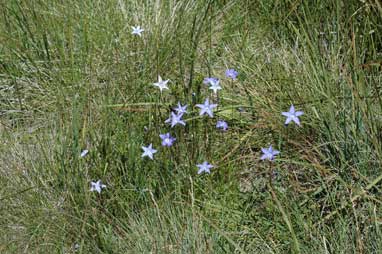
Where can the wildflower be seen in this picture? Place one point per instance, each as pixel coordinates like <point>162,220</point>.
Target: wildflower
<point>97,186</point>
<point>137,30</point>
<point>181,109</point>
<point>269,153</point>
<point>84,153</point>
<point>76,246</point>
<point>222,125</point>
<point>292,115</point>
<point>175,119</point>
<point>167,140</point>
<point>241,109</point>
<point>204,167</point>
<point>148,151</point>
<point>161,84</point>
<point>210,80</point>
<point>215,86</point>
<point>231,73</point>
<point>206,108</point>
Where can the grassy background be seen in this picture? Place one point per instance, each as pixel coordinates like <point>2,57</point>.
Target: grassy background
<point>73,77</point>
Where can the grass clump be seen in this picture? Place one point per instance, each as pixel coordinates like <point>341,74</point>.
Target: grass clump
<point>73,77</point>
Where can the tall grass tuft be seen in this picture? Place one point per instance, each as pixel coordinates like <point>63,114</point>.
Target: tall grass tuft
<point>73,77</point>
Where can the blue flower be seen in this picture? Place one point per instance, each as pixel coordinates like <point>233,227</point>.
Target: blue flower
<point>97,186</point>
<point>231,73</point>
<point>137,30</point>
<point>269,153</point>
<point>181,109</point>
<point>204,167</point>
<point>222,125</point>
<point>210,80</point>
<point>148,151</point>
<point>175,119</point>
<point>292,115</point>
<point>167,140</point>
<point>206,108</point>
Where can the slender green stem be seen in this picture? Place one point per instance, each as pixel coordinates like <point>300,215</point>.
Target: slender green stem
<point>296,244</point>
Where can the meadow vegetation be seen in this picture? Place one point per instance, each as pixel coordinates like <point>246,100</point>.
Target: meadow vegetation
<point>74,77</point>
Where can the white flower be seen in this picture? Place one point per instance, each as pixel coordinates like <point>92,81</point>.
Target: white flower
<point>84,153</point>
<point>161,84</point>
<point>148,151</point>
<point>137,30</point>
<point>215,86</point>
<point>97,186</point>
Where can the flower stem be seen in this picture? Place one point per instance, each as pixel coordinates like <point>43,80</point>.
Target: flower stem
<point>285,217</point>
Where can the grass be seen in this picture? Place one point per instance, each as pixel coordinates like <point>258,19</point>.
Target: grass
<point>73,77</point>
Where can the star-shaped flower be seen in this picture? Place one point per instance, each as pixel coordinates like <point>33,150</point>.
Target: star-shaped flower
<point>161,84</point>
<point>231,73</point>
<point>222,125</point>
<point>215,86</point>
<point>181,109</point>
<point>204,167</point>
<point>175,119</point>
<point>167,140</point>
<point>84,153</point>
<point>209,80</point>
<point>137,30</point>
<point>292,115</point>
<point>97,186</point>
<point>269,153</point>
<point>206,108</point>
<point>148,151</point>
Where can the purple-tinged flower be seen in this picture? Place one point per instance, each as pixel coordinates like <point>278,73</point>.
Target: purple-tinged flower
<point>292,115</point>
<point>97,186</point>
<point>137,30</point>
<point>84,153</point>
<point>175,119</point>
<point>210,80</point>
<point>269,153</point>
<point>181,109</point>
<point>206,108</point>
<point>222,125</point>
<point>231,73</point>
<point>204,167</point>
<point>148,151</point>
<point>215,86</point>
<point>167,140</point>
<point>161,84</point>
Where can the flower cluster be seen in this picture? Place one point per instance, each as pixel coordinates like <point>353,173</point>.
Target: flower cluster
<point>178,112</point>
<point>207,108</point>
